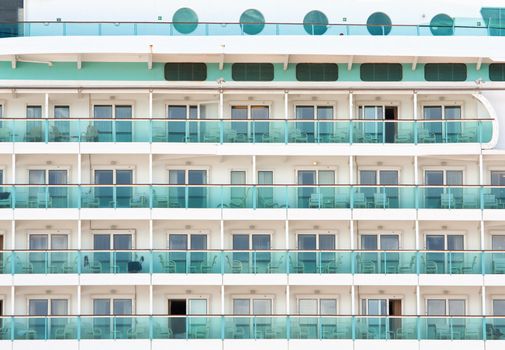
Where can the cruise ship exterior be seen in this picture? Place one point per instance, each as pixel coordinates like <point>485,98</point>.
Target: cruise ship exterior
<point>263,174</point>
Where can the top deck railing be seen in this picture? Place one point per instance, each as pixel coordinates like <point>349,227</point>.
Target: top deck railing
<point>107,28</point>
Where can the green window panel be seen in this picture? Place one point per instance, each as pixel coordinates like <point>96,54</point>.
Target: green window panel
<point>497,72</point>
<point>381,72</point>
<point>252,72</point>
<point>442,24</point>
<point>315,23</point>
<point>185,71</point>
<point>379,24</point>
<point>316,72</point>
<point>252,22</point>
<point>185,20</point>
<point>494,17</point>
<point>445,72</point>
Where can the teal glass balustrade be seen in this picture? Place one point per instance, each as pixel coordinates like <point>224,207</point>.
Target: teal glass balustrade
<point>127,261</point>
<point>252,327</point>
<point>208,262</point>
<point>44,196</point>
<point>252,196</point>
<point>385,262</point>
<point>452,262</point>
<point>255,261</point>
<point>460,27</point>
<point>333,131</point>
<point>450,197</point>
<point>252,262</point>
<point>42,262</point>
<point>326,262</point>
<point>451,328</point>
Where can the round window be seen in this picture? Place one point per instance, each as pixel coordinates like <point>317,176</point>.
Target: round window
<point>252,22</point>
<point>315,23</point>
<point>442,24</point>
<point>379,24</point>
<point>185,20</point>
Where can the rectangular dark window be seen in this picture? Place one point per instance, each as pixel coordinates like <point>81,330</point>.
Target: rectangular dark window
<point>381,72</point>
<point>185,71</point>
<point>252,71</point>
<point>316,72</point>
<point>497,72</point>
<point>445,72</point>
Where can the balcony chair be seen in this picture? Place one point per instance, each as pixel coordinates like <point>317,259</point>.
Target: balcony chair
<point>315,200</point>
<point>239,201</point>
<point>380,200</point>
<point>493,333</point>
<point>70,266</point>
<point>498,265</point>
<point>298,136</point>
<point>94,333</point>
<point>274,136</point>
<point>447,200</point>
<point>489,201</point>
<point>138,201</point>
<point>35,134</point>
<point>359,200</point>
<point>235,265</point>
<point>159,134</point>
<point>91,134</point>
<point>341,200</point>
<point>24,267</point>
<point>90,201</point>
<point>367,266</point>
<point>425,136</point>
<point>405,333</point>
<point>468,269</point>
<point>403,137</point>
<point>267,202</point>
<point>470,201</point>
<point>204,266</point>
<point>5,135</point>
<point>167,266</point>
<point>95,267</point>
<point>67,332</point>
<point>5,199</point>
<point>297,267</point>
<point>275,267</point>
<point>163,333</point>
<point>430,267</point>
<point>5,333</point>
<point>198,332</point>
<point>333,266</point>
<point>408,268</point>
<point>137,332</point>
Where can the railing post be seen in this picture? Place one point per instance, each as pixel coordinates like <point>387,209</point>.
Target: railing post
<point>221,131</point>
<point>222,327</point>
<point>78,328</point>
<point>46,130</point>
<point>286,132</point>
<point>353,327</point>
<point>416,132</point>
<point>288,327</point>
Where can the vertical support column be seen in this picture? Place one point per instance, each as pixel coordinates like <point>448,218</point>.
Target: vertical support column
<point>351,105</point>
<point>13,300</point>
<point>351,170</point>
<point>150,104</point>
<point>151,297</point>
<point>13,232</point>
<point>418,240</point>
<point>151,234</point>
<point>46,106</point>
<point>415,105</point>
<point>222,297</point>
<point>353,298</point>
<point>286,233</point>
<point>221,245</point>
<point>484,299</point>
<point>418,298</point>
<point>416,170</point>
<point>13,165</point>
<point>221,104</point>
<point>254,173</point>
<point>79,298</point>
<point>286,104</point>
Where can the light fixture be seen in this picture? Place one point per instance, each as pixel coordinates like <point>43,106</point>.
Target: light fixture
<point>315,163</point>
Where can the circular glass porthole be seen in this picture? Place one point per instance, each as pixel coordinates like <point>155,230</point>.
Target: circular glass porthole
<point>315,23</point>
<point>442,24</point>
<point>185,20</point>
<point>252,22</point>
<point>379,24</point>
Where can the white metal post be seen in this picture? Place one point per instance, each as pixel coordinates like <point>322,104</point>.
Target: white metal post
<point>221,104</point>
<point>286,105</point>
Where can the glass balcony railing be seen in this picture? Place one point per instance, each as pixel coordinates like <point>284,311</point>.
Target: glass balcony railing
<point>252,262</point>
<point>466,27</point>
<point>253,327</point>
<point>251,197</point>
<point>339,131</point>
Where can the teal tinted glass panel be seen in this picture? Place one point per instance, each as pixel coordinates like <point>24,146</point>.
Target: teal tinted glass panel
<point>495,20</point>
<point>315,23</point>
<point>185,20</point>
<point>316,72</point>
<point>442,24</point>
<point>185,71</point>
<point>497,72</point>
<point>445,72</point>
<point>252,22</point>
<point>381,72</point>
<point>252,71</point>
<point>379,24</point>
